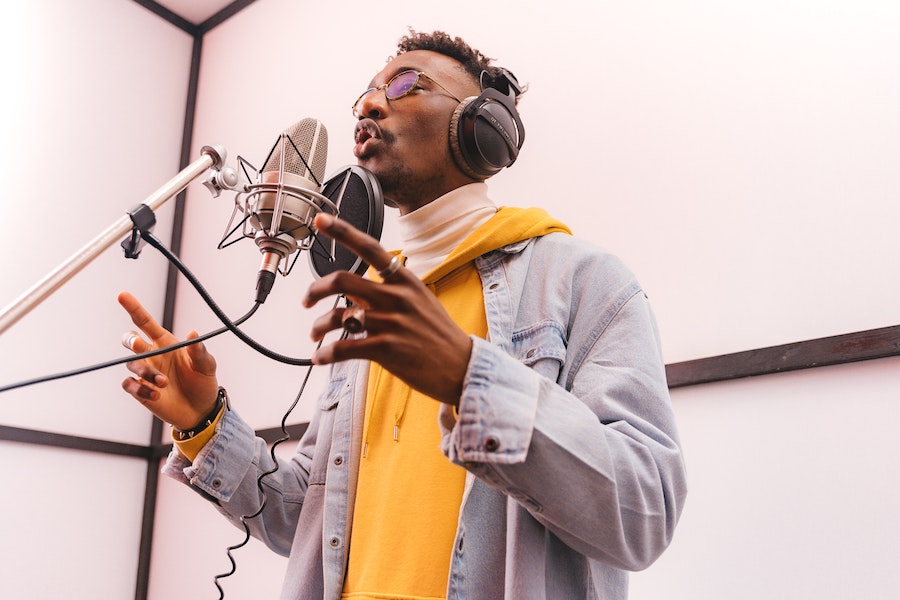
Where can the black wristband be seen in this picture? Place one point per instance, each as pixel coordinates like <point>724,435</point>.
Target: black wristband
<point>182,435</point>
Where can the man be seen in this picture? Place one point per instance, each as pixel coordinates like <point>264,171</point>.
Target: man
<point>500,426</point>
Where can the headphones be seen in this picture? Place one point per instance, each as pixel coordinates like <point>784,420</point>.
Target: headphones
<point>486,132</point>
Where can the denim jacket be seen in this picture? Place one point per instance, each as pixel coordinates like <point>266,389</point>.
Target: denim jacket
<point>565,427</point>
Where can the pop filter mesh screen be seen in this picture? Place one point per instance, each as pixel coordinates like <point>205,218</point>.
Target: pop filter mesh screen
<point>357,194</point>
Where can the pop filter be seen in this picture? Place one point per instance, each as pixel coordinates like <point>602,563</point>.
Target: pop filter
<point>356,193</point>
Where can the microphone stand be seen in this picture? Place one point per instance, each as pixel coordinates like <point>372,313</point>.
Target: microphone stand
<point>213,156</point>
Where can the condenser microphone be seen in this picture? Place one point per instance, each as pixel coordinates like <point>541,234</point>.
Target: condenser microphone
<point>287,197</point>
<point>277,211</point>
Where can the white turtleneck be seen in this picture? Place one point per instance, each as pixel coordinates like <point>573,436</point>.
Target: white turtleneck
<point>430,233</point>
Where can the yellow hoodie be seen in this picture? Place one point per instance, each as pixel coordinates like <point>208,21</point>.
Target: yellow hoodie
<point>408,494</point>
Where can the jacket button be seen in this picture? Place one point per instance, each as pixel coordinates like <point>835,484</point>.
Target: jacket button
<point>531,353</point>
<point>334,542</point>
<point>338,460</point>
<point>491,444</point>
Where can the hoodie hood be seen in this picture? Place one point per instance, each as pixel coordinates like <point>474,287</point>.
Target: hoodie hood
<point>508,226</point>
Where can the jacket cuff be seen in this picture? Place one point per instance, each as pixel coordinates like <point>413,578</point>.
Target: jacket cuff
<point>496,411</point>
<point>224,461</point>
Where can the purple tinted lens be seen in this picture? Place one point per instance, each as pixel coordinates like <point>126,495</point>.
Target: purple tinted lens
<point>401,84</point>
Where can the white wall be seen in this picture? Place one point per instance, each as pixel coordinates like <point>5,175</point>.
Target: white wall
<point>741,157</point>
<point>93,125</point>
<point>93,107</point>
<point>792,489</point>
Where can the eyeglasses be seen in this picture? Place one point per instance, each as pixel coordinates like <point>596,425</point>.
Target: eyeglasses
<point>399,85</point>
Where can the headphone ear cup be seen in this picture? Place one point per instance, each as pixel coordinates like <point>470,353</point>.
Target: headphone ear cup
<point>458,141</point>
<point>486,134</point>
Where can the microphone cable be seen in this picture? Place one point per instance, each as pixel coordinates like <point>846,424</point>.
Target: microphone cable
<point>229,325</point>
<point>259,480</point>
<point>300,362</point>
<point>207,298</point>
<point>125,359</point>
<point>153,241</point>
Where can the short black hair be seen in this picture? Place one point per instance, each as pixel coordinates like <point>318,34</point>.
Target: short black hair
<point>472,60</point>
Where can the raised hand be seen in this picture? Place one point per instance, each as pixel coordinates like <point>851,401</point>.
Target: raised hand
<point>179,387</point>
<point>407,331</point>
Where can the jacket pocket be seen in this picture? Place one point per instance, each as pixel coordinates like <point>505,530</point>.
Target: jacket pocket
<point>332,394</point>
<point>324,421</point>
<point>542,347</point>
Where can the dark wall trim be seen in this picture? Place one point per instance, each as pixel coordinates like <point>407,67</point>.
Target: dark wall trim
<point>188,27</point>
<point>168,15</point>
<point>71,442</point>
<point>224,14</point>
<point>151,482</point>
<point>153,453</point>
<point>820,352</point>
<point>187,139</point>
<point>274,434</point>
<point>148,518</point>
<point>270,436</point>
<point>156,450</point>
<point>833,350</point>
<point>865,345</point>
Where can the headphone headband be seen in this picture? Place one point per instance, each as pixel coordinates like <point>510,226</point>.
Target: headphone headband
<point>505,83</point>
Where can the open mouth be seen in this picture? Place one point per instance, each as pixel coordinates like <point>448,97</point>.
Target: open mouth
<point>365,136</point>
<point>365,130</point>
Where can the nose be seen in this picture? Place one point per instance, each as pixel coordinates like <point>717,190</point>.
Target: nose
<point>373,105</point>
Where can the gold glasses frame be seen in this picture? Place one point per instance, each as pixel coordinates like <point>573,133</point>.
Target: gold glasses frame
<point>386,87</point>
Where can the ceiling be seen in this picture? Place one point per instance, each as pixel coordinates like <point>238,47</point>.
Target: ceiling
<point>195,11</point>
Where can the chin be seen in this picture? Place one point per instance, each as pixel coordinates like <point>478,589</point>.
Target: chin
<point>392,177</point>
<point>371,166</point>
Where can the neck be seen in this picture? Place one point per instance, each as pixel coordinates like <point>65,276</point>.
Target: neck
<point>431,233</point>
<point>414,196</point>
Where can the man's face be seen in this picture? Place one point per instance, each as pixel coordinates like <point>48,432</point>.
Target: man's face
<point>405,142</point>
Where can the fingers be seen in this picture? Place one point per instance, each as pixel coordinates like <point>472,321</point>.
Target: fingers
<point>148,379</point>
<point>140,389</point>
<point>147,372</point>
<point>325,323</point>
<point>178,385</point>
<point>362,291</point>
<point>348,349</point>
<point>201,360</point>
<point>142,319</point>
<point>148,376</point>
<point>129,339</point>
<point>361,244</point>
